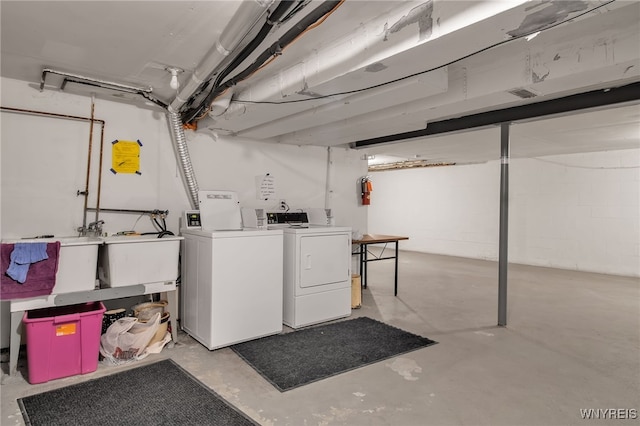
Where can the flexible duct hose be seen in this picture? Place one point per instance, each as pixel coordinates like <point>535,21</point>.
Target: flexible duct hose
<point>180,142</point>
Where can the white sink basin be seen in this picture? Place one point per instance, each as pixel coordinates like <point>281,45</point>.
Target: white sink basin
<point>119,260</point>
<point>76,262</point>
<point>138,259</point>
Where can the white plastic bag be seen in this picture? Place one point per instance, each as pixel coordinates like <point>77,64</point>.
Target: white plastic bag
<point>156,348</point>
<point>127,338</point>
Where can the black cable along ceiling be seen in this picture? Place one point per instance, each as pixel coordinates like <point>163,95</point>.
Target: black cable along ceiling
<point>274,50</point>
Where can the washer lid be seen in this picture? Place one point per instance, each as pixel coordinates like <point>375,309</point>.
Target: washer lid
<point>219,211</point>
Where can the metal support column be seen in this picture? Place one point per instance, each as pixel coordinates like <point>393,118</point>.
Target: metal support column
<point>504,224</point>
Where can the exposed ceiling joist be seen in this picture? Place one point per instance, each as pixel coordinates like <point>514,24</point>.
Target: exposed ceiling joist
<point>629,93</point>
<point>427,61</point>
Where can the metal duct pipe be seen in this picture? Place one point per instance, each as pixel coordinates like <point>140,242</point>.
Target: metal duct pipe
<point>180,142</point>
<point>90,81</point>
<point>101,83</point>
<point>241,23</point>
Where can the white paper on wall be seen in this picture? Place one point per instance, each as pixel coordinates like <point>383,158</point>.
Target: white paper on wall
<point>265,187</point>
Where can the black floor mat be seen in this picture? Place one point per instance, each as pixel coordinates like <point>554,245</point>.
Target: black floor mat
<point>161,393</point>
<point>294,359</point>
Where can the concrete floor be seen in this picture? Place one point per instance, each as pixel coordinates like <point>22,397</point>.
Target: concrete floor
<point>572,342</point>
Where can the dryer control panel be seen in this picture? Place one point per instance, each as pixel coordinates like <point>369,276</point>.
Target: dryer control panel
<point>293,218</point>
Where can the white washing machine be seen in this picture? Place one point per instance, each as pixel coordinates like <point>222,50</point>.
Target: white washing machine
<point>232,278</point>
<point>317,274</point>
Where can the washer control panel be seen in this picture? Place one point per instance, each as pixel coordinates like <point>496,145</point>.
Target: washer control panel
<point>192,219</point>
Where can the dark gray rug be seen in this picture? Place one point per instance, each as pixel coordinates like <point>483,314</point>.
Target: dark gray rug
<point>161,393</point>
<point>300,357</point>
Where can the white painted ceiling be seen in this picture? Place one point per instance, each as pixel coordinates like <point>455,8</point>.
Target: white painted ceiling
<point>477,52</point>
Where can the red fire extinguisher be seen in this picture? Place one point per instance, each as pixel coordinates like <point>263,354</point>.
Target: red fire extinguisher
<point>366,188</point>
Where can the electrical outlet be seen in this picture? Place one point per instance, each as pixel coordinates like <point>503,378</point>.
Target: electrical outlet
<point>283,205</point>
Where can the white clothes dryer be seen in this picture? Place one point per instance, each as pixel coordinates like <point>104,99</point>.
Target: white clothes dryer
<point>317,274</point>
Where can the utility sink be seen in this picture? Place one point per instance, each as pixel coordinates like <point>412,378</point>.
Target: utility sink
<point>76,262</point>
<point>126,260</point>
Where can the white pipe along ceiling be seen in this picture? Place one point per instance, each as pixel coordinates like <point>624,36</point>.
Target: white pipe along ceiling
<point>321,93</point>
<point>241,23</point>
<point>335,73</point>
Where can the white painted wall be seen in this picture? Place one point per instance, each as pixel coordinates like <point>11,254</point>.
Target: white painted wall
<point>43,164</point>
<point>45,159</point>
<point>448,210</point>
<point>577,211</point>
<point>300,174</point>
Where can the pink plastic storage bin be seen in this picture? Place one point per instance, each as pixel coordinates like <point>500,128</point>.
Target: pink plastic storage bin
<point>63,341</point>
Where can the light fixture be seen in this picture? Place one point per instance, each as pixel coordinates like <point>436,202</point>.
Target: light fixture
<point>532,35</point>
<point>174,83</point>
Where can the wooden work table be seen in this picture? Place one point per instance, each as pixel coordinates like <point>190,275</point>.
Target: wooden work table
<point>369,239</point>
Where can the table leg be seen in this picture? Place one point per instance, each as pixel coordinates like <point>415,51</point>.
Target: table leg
<point>14,348</point>
<point>172,301</point>
<point>395,287</point>
<point>361,267</point>
<point>364,265</point>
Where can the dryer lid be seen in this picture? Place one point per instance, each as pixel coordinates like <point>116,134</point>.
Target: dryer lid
<point>219,211</point>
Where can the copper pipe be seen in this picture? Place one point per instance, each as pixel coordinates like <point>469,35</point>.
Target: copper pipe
<point>86,186</point>
<point>100,173</point>
<point>92,119</point>
<point>51,114</point>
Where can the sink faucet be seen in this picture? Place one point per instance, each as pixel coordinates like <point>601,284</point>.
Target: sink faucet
<point>94,229</point>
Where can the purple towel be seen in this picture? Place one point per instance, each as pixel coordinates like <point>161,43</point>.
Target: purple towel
<point>41,277</point>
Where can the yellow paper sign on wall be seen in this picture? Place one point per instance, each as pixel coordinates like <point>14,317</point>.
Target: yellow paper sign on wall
<point>125,156</point>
